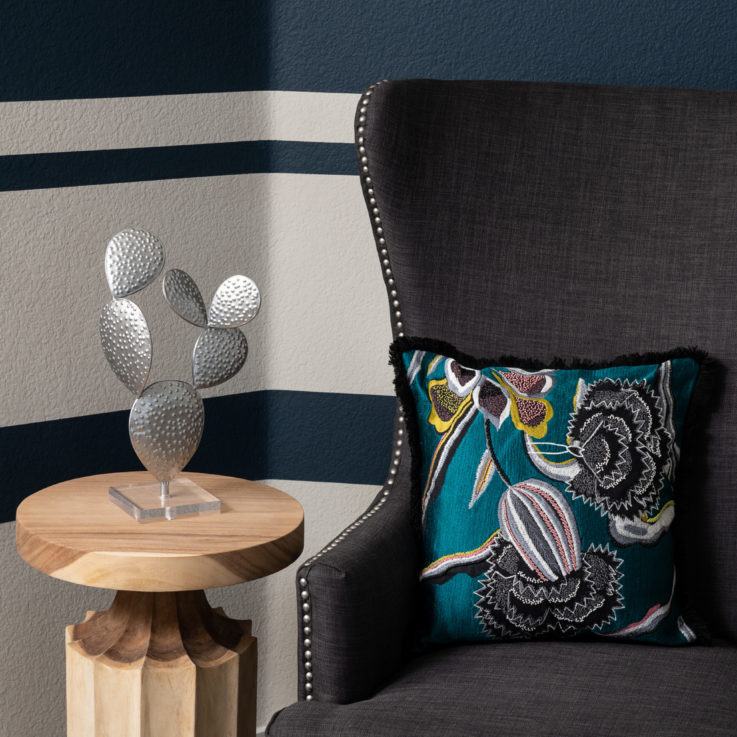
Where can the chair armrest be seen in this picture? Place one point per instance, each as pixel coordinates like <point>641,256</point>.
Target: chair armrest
<point>356,599</point>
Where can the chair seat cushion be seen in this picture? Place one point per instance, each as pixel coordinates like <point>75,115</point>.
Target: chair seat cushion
<point>540,689</point>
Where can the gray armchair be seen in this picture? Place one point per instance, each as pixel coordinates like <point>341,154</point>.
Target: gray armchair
<point>540,220</point>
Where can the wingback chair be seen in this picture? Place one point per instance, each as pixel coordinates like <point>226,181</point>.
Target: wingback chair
<point>536,219</point>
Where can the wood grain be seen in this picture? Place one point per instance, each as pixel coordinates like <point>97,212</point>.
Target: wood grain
<point>73,532</point>
<point>161,665</point>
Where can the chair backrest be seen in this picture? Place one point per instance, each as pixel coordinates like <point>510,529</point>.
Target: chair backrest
<point>543,220</point>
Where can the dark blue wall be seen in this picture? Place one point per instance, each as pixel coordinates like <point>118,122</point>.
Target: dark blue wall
<point>55,49</point>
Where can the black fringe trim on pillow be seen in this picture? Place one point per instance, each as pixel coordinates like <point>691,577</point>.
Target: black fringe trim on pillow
<point>692,467</point>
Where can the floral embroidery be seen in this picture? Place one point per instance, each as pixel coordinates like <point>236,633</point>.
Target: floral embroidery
<point>511,558</point>
<point>514,603</point>
<point>529,411</point>
<point>516,394</point>
<point>445,404</point>
<point>538,581</point>
<point>622,443</point>
<point>621,447</point>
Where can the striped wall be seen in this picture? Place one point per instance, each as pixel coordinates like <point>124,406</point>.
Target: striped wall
<point>256,182</point>
<point>226,129</point>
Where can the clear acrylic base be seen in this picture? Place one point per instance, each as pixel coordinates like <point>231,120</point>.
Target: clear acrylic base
<point>146,501</point>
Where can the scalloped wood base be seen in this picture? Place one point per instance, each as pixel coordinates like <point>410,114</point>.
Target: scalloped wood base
<point>161,665</point>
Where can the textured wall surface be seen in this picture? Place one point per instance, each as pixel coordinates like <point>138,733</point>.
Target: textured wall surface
<point>226,129</point>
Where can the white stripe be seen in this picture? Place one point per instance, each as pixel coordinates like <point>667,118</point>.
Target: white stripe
<point>563,560</point>
<point>43,126</point>
<point>685,630</point>
<point>443,459</point>
<point>415,365</point>
<point>305,240</point>
<point>518,530</point>
<point>560,504</point>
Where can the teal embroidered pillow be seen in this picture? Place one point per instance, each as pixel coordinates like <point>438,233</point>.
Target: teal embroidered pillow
<point>545,497</point>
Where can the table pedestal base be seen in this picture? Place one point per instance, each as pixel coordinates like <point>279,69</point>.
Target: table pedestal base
<point>161,665</point>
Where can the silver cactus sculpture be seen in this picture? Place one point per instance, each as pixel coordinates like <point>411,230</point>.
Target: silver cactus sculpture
<point>167,418</point>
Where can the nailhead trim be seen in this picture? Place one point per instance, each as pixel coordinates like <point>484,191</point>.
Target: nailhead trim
<point>306,643</point>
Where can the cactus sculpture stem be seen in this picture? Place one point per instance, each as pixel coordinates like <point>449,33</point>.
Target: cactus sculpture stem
<point>164,491</point>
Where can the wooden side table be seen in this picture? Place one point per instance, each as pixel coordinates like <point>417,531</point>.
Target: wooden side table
<point>160,662</point>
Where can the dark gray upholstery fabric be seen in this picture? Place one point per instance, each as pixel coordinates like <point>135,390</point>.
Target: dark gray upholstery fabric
<point>360,596</point>
<point>551,689</point>
<point>542,220</point>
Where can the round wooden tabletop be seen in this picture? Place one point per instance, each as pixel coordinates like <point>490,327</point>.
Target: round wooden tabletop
<point>73,531</point>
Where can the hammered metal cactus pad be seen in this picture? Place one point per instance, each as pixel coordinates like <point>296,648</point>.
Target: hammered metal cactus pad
<point>184,297</point>
<point>166,421</point>
<point>133,259</point>
<point>126,342</point>
<point>218,354</point>
<point>165,427</point>
<point>235,303</point>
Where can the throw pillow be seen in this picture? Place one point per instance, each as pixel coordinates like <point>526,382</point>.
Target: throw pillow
<point>545,495</point>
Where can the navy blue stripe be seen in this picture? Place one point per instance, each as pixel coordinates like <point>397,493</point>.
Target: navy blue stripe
<point>79,168</point>
<point>54,49</point>
<point>270,434</point>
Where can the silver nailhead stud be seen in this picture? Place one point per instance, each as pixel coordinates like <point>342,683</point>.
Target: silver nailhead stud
<point>303,582</point>
<point>308,654</point>
<point>305,595</point>
<point>308,687</point>
<point>308,697</point>
<point>306,618</point>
